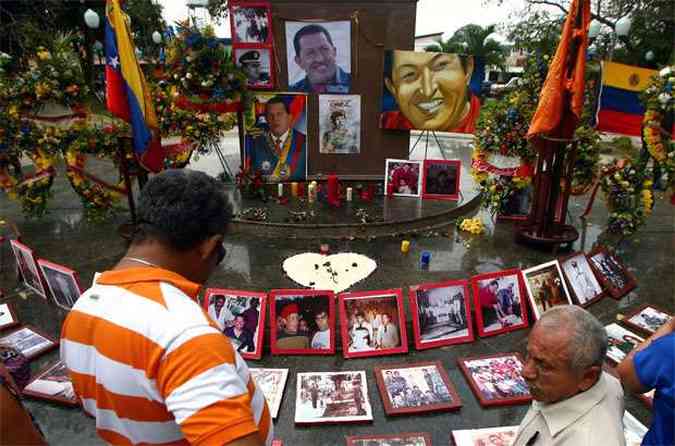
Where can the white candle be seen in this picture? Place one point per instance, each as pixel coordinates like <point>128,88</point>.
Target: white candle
<point>280,190</point>
<point>349,194</point>
<point>310,193</point>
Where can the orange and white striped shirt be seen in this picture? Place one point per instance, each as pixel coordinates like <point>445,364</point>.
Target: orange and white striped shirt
<point>153,369</point>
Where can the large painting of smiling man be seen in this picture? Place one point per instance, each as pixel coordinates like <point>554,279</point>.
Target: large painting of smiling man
<point>429,91</point>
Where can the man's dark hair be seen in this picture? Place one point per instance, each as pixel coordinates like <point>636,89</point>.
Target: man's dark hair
<point>277,100</point>
<point>308,30</point>
<point>182,207</point>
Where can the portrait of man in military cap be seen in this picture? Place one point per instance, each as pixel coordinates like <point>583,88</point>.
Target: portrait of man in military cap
<point>255,63</point>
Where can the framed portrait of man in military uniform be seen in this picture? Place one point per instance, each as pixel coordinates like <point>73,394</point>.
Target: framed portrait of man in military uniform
<point>256,63</point>
<point>276,141</point>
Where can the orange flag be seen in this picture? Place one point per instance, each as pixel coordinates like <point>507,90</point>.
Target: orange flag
<point>552,101</point>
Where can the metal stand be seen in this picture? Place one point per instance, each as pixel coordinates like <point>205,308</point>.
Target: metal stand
<point>426,144</point>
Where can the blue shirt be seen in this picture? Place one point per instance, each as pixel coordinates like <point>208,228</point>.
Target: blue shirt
<point>655,368</point>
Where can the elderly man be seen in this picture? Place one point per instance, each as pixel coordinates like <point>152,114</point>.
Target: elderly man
<point>315,53</point>
<point>576,403</point>
<point>145,360</point>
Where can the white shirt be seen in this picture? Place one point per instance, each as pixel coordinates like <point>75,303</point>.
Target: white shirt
<point>321,339</point>
<point>590,418</point>
<point>280,140</point>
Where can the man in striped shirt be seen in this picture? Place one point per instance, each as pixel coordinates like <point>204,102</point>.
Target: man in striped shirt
<point>146,361</point>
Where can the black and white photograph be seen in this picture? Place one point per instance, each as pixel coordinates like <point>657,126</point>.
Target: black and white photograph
<point>28,341</point>
<point>63,283</point>
<point>250,23</point>
<point>332,397</point>
<point>27,264</point>
<point>256,63</point>
<point>647,318</point>
<point>620,342</point>
<point>340,124</point>
<point>613,275</point>
<point>319,56</point>
<point>584,286</point>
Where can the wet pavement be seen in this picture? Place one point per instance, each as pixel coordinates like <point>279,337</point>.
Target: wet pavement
<point>254,263</point>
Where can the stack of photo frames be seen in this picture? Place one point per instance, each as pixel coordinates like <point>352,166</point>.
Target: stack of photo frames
<point>253,42</point>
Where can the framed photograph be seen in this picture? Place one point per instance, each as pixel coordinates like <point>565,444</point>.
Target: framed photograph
<point>402,439</point>
<point>612,274</point>
<point>332,397</point>
<point>441,314</point>
<point>52,383</point>
<point>340,124</point>
<point>276,136</point>
<point>64,283</point>
<point>583,284</point>
<point>441,179</point>
<point>499,299</point>
<point>373,323</point>
<point>491,436</point>
<point>517,207</point>
<point>332,41</point>
<point>302,322</point>
<point>29,341</point>
<point>496,380</point>
<point>27,264</point>
<point>257,65</point>
<point>646,319</point>
<point>251,23</point>
<point>403,178</point>
<point>620,342</point>
<point>418,387</point>
<point>7,316</point>
<point>633,430</point>
<point>272,382</point>
<point>546,287</point>
<point>241,316</point>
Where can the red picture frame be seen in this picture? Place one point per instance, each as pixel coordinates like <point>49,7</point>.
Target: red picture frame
<point>264,54</point>
<point>236,40</point>
<point>53,343</point>
<point>62,298</point>
<point>429,192</point>
<point>420,381</point>
<point>465,365</point>
<point>511,320</point>
<point>357,299</point>
<point>220,318</point>
<point>304,308</point>
<point>45,373</point>
<point>8,316</point>
<point>640,328</point>
<point>629,281</point>
<point>27,263</point>
<point>577,256</point>
<point>436,323</point>
<point>363,440</point>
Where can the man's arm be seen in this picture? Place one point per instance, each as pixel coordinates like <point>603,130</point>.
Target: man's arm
<point>626,368</point>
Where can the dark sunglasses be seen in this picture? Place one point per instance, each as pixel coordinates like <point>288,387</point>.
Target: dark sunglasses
<point>221,254</point>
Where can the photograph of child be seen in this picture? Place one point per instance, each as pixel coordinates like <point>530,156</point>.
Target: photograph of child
<point>404,177</point>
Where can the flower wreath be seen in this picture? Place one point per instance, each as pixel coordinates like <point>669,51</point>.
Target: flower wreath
<point>98,197</point>
<point>629,197</point>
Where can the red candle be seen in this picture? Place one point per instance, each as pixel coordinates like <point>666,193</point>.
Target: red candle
<point>333,189</point>
<point>390,189</point>
<point>301,190</point>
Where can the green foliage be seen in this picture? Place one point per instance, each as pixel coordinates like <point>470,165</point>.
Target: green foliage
<point>471,39</point>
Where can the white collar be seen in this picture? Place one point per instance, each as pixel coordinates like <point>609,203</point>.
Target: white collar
<point>281,139</point>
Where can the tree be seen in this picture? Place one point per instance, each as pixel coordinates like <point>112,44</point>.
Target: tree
<point>473,39</point>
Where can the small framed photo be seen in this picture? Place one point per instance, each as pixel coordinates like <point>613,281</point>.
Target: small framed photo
<point>302,322</point>
<point>633,430</point>
<point>620,342</point>
<point>496,380</point>
<point>250,23</point>
<point>584,286</point>
<point>29,341</point>
<point>441,314</point>
<point>256,64</point>
<point>546,287</point>
<point>499,299</point>
<point>518,205</point>
<point>64,283</point>
<point>441,179</point>
<point>53,384</point>
<point>27,264</point>
<point>332,397</point>
<point>610,271</point>
<point>272,382</point>
<point>403,178</point>
<point>241,316</point>
<point>373,323</point>
<point>403,439</point>
<point>485,437</point>
<point>414,388</point>
<point>7,316</point>
<point>646,319</point>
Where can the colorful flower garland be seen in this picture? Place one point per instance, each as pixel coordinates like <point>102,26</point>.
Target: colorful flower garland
<point>629,197</point>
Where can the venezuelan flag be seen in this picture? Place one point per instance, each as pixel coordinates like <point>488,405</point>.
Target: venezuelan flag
<point>620,109</point>
<point>127,94</point>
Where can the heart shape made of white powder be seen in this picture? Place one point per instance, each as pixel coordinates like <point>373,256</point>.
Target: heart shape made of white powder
<point>335,272</point>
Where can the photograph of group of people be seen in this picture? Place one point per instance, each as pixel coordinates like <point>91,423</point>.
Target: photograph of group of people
<point>250,23</point>
<point>647,319</point>
<point>546,287</point>
<point>500,298</point>
<point>303,322</point>
<point>403,439</point>
<point>28,341</point>
<point>403,177</point>
<point>496,379</point>
<point>325,397</point>
<point>611,272</point>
